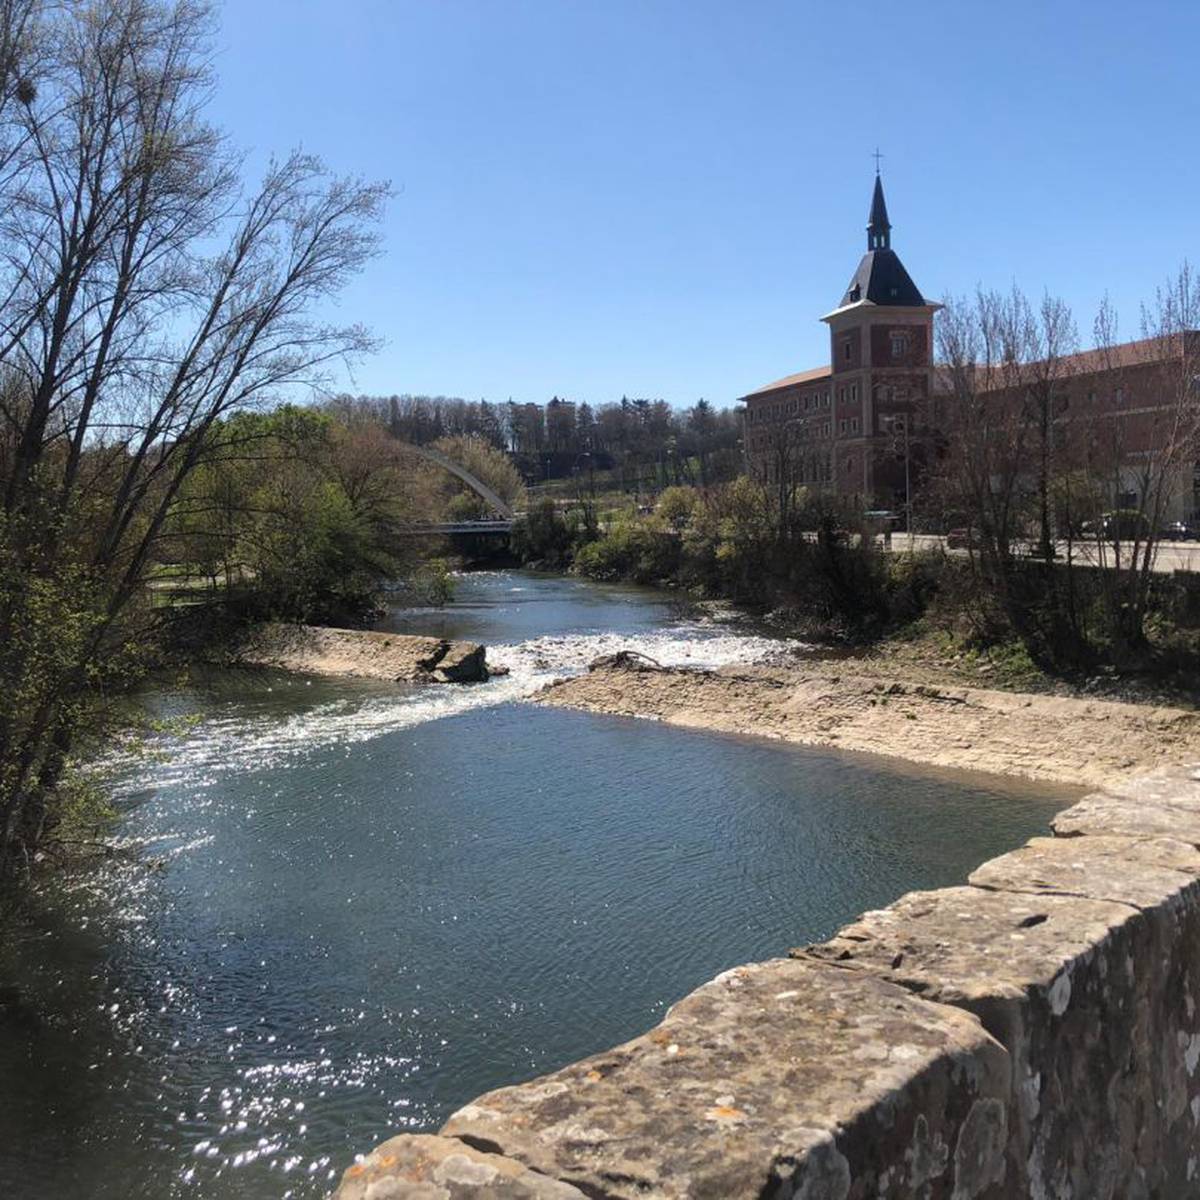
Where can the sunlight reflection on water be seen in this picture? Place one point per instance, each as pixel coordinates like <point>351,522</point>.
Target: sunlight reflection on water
<point>352,906</point>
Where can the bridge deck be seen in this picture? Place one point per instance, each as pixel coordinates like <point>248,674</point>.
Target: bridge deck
<point>434,528</point>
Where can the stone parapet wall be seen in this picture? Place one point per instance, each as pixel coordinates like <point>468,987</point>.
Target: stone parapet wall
<point>1033,1033</point>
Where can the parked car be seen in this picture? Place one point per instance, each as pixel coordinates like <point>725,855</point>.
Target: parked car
<point>962,538</point>
<point>1120,525</point>
<point>1179,531</point>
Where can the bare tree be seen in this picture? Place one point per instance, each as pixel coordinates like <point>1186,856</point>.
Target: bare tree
<point>786,457</point>
<point>1158,438</point>
<point>1032,441</point>
<point>1005,364</point>
<point>145,298</point>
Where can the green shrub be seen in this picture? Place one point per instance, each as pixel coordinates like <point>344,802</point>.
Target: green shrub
<point>544,535</point>
<point>677,505</point>
<point>636,549</point>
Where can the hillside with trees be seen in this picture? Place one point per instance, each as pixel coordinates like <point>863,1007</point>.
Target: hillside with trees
<point>636,443</point>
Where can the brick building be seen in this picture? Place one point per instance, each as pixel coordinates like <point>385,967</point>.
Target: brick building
<point>1124,417</point>
<point>841,426</point>
<point>881,403</point>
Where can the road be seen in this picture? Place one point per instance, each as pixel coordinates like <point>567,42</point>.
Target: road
<point>1170,556</point>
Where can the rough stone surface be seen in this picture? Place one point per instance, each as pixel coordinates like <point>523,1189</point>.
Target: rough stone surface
<point>1140,872</point>
<point>423,1167</point>
<point>1175,786</point>
<point>401,658</point>
<point>777,1079</point>
<point>1099,813</point>
<point>462,662</point>
<point>1094,1000</point>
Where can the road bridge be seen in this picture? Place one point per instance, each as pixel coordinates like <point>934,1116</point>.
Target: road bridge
<point>497,528</point>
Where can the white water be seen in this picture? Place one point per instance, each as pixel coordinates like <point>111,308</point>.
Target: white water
<point>240,740</point>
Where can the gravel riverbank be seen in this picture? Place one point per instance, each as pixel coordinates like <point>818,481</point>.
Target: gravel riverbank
<point>1080,741</point>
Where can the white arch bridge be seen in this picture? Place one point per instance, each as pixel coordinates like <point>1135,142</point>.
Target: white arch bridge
<point>481,489</point>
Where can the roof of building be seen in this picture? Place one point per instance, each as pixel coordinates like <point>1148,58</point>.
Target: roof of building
<point>1142,352</point>
<point>878,223</point>
<point>881,279</point>
<point>791,381</point>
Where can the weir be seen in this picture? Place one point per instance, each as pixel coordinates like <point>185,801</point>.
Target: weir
<point>1033,1033</point>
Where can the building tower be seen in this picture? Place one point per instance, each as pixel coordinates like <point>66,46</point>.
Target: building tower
<point>881,356</point>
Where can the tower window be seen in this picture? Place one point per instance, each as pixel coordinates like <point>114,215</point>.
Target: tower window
<point>846,350</point>
<point>900,345</point>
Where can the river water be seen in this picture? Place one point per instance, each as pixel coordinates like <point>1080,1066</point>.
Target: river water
<point>355,906</point>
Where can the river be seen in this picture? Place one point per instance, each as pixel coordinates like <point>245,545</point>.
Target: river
<point>355,906</point>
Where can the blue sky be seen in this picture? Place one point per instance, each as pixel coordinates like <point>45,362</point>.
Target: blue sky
<point>660,198</point>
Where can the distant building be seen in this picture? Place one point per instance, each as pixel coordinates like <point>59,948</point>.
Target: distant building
<point>836,426</point>
<point>1114,413</point>
<point>849,426</point>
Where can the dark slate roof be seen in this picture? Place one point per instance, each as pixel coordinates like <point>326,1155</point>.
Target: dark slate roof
<point>879,218</point>
<point>882,279</point>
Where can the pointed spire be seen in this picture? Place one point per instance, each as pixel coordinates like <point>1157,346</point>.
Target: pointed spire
<point>879,230</point>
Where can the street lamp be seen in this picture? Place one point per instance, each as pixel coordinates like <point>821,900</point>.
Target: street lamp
<point>898,425</point>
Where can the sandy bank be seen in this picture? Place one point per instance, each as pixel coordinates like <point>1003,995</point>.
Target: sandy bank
<point>319,650</point>
<point>1068,740</point>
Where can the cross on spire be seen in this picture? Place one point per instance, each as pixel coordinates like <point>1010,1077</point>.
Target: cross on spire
<point>876,156</point>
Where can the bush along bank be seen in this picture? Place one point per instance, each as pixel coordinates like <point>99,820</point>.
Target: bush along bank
<point>814,562</point>
<point>822,568</point>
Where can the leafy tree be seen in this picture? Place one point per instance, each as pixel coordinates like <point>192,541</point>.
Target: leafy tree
<point>147,299</point>
<point>299,515</point>
<point>544,536</point>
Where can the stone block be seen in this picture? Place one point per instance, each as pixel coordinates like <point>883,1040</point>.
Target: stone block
<point>462,662</point>
<point>780,1079</point>
<point>1103,814</point>
<point>1095,1001</point>
<point>424,1167</point>
<point>1140,872</point>
<point>1176,785</point>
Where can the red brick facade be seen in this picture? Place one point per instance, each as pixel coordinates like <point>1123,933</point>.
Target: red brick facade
<point>837,426</point>
<point>1121,415</point>
<point>851,426</point>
